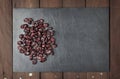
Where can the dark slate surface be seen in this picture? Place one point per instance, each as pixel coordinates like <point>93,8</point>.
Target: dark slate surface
<point>82,36</point>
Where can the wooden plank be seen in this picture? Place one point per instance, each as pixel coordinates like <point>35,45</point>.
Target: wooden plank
<point>75,75</point>
<point>6,40</point>
<point>26,4</point>
<point>33,75</point>
<point>97,75</point>
<point>115,39</point>
<point>114,4</point>
<point>51,3</point>
<point>19,75</point>
<point>73,3</point>
<point>97,3</point>
<point>50,75</point>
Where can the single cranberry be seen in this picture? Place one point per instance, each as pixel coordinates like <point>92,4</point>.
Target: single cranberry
<point>42,59</point>
<point>26,20</point>
<point>19,47</point>
<point>30,19</point>
<point>48,52</point>
<point>31,57</point>
<point>28,48</point>
<point>42,20</point>
<point>52,39</point>
<point>54,45</point>
<point>52,33</point>
<point>35,24</point>
<point>19,42</point>
<point>45,24</point>
<point>35,54</point>
<point>50,28</point>
<point>21,36</point>
<point>50,48</point>
<point>22,26</point>
<point>43,45</point>
<point>28,42</point>
<point>21,51</point>
<point>34,61</point>
<point>27,53</point>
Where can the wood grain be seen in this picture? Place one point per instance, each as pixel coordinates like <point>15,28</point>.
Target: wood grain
<point>97,75</point>
<point>75,75</point>
<point>6,39</point>
<point>50,3</point>
<point>26,4</point>
<point>114,4</point>
<point>73,3</point>
<point>18,75</point>
<point>35,75</point>
<point>97,3</point>
<point>50,75</point>
<point>115,39</point>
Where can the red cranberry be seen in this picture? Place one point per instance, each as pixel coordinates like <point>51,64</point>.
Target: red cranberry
<point>42,59</point>
<point>31,57</point>
<point>28,48</point>
<point>52,33</point>
<point>42,20</point>
<point>38,41</point>
<point>50,28</point>
<point>27,53</point>
<point>19,42</point>
<point>45,24</point>
<point>30,19</point>
<point>34,61</point>
<point>21,36</point>
<point>54,45</point>
<point>19,47</point>
<point>52,39</point>
<point>26,20</point>
<point>48,52</point>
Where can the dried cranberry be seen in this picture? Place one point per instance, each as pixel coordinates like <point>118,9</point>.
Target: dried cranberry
<point>34,61</point>
<point>38,40</point>
<point>27,53</point>
<point>19,42</point>
<point>42,20</point>
<point>21,36</point>
<point>45,24</point>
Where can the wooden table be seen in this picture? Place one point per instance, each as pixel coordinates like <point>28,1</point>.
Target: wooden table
<point>6,7</point>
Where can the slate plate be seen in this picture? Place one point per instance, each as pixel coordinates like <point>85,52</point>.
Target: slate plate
<point>82,36</point>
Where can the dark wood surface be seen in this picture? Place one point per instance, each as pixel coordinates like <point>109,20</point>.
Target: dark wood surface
<point>97,3</point>
<point>73,3</point>
<point>114,39</point>
<point>6,38</point>
<point>50,3</point>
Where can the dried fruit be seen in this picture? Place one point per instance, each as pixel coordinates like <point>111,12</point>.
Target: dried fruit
<point>38,40</point>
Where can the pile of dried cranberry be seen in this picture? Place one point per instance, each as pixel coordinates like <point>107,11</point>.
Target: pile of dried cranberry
<point>38,40</point>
